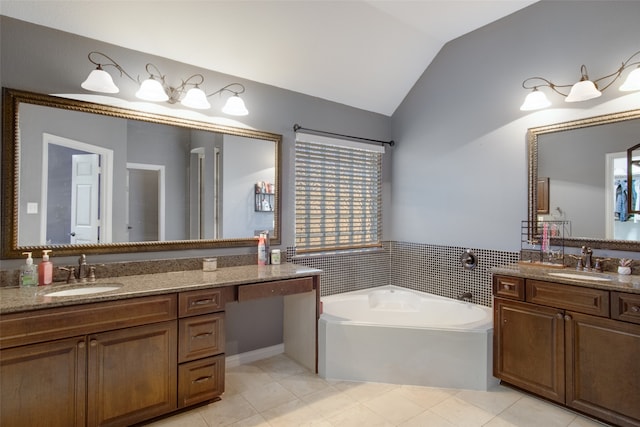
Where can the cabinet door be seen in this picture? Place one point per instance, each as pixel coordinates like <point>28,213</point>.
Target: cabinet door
<point>132,374</point>
<point>43,384</point>
<point>529,347</point>
<point>603,368</point>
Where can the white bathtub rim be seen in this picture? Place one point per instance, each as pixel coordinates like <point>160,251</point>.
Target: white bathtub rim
<point>480,326</point>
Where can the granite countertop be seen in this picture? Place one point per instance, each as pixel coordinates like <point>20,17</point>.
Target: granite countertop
<point>19,299</point>
<point>616,282</point>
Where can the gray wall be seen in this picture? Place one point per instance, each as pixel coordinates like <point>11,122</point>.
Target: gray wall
<point>459,172</point>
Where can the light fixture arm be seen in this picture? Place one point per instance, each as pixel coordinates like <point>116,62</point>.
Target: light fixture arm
<point>554,87</point>
<point>616,74</point>
<point>113,64</point>
<point>236,93</point>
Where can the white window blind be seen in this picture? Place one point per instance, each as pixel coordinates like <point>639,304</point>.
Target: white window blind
<point>338,194</point>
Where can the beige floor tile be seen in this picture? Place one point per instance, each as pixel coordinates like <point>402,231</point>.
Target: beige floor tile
<point>254,421</point>
<point>581,421</point>
<point>329,401</point>
<point>426,397</point>
<point>358,416</point>
<point>394,406</point>
<point>363,391</point>
<point>280,366</point>
<point>532,412</point>
<point>493,401</point>
<point>461,413</point>
<point>303,383</point>
<point>268,396</point>
<point>427,418</point>
<point>243,378</point>
<point>227,411</point>
<point>292,414</point>
<point>186,419</point>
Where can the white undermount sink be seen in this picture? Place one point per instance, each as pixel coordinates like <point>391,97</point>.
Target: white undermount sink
<point>84,290</point>
<point>578,276</point>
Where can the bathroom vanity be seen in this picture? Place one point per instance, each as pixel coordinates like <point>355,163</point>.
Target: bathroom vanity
<point>574,340</point>
<point>155,345</point>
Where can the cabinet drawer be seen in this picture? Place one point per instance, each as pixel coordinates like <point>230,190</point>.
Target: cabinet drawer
<point>203,302</point>
<point>55,323</point>
<point>270,289</point>
<point>200,336</point>
<point>625,307</point>
<point>574,298</point>
<point>508,287</point>
<point>200,381</point>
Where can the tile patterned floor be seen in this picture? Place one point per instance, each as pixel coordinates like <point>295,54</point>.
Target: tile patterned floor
<point>278,392</point>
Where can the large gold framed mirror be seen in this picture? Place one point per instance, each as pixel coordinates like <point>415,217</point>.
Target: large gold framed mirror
<point>585,162</point>
<point>85,177</point>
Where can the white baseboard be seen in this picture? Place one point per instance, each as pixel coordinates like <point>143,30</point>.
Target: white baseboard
<point>253,355</point>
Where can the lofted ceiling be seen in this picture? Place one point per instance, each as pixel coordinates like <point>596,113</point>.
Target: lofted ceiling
<point>366,54</point>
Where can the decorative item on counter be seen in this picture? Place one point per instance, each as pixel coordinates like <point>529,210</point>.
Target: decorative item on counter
<point>28,272</point>
<point>275,256</point>
<point>209,264</point>
<point>45,269</point>
<point>625,266</point>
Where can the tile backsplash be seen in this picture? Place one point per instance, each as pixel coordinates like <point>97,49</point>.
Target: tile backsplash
<point>423,267</point>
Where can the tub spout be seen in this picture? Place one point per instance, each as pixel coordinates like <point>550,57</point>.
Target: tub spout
<point>466,296</point>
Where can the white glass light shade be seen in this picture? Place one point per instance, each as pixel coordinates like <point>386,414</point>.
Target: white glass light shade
<point>100,81</point>
<point>535,101</point>
<point>196,98</point>
<point>235,106</point>
<point>632,82</point>
<point>152,90</point>
<point>582,91</point>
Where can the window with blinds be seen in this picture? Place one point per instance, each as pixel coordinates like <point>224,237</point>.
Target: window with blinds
<point>338,195</point>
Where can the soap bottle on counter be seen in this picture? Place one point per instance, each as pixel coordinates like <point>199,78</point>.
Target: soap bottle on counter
<point>262,250</point>
<point>28,272</point>
<point>45,269</point>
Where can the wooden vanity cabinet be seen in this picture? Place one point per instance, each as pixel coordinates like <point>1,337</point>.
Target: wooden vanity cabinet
<point>100,364</point>
<point>562,342</point>
<point>201,341</point>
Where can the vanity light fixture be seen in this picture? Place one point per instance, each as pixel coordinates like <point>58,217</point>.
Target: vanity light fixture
<point>155,88</point>
<point>584,89</point>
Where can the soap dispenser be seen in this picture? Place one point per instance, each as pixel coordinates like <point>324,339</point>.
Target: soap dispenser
<point>45,269</point>
<point>28,272</point>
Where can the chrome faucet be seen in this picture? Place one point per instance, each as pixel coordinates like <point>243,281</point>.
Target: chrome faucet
<point>466,296</point>
<point>587,254</point>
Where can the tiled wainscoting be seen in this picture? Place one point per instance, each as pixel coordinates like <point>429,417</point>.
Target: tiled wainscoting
<point>428,268</point>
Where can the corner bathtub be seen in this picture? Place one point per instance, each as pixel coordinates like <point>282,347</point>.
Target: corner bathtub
<point>395,335</point>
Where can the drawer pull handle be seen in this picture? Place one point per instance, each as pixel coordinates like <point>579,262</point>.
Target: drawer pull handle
<point>559,316</point>
<point>202,379</point>
<point>635,308</point>
<point>202,335</point>
<point>507,286</point>
<point>202,301</point>
<point>567,317</point>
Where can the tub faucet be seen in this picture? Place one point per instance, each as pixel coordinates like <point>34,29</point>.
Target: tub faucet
<point>466,296</point>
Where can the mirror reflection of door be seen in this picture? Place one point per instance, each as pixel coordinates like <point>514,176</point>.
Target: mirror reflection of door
<point>145,202</point>
<point>622,223</point>
<point>75,180</point>
<point>85,184</point>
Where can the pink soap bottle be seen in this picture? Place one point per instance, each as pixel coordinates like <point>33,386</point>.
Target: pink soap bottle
<point>45,269</point>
